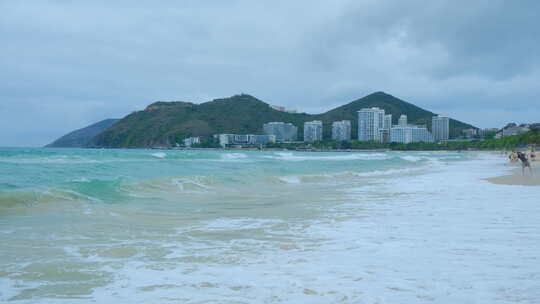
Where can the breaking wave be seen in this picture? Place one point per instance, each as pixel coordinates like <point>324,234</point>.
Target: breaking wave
<point>290,156</point>
<point>159,155</point>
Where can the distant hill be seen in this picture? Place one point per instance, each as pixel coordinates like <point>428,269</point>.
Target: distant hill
<point>391,105</point>
<point>81,137</point>
<point>167,123</point>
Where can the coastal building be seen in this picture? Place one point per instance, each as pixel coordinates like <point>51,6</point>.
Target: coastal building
<point>410,134</point>
<point>440,127</point>
<point>469,133</point>
<point>384,135</point>
<point>244,139</point>
<point>225,139</point>
<point>511,131</point>
<point>188,142</point>
<point>313,131</point>
<point>341,130</point>
<point>370,121</point>
<point>262,139</point>
<point>241,139</point>
<point>284,132</point>
<point>485,132</point>
<point>402,120</point>
<point>282,109</point>
<point>387,122</point>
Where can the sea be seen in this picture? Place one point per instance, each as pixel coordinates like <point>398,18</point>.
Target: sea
<point>235,226</point>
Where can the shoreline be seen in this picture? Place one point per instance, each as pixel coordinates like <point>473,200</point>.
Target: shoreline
<point>516,178</point>
<point>279,149</point>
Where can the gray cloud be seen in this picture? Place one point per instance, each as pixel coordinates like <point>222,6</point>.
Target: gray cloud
<point>68,64</point>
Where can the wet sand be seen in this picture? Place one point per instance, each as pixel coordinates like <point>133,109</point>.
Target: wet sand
<point>517,178</point>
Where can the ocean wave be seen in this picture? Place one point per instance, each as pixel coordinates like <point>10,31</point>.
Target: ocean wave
<point>414,159</point>
<point>12,198</point>
<point>167,188</point>
<point>80,180</point>
<point>345,175</point>
<point>229,156</point>
<point>98,157</point>
<point>389,172</point>
<point>289,156</point>
<point>411,158</point>
<point>6,186</point>
<point>186,184</point>
<point>228,224</point>
<point>290,179</point>
<point>47,160</point>
<point>159,155</point>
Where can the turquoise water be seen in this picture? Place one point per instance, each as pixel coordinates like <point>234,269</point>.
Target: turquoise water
<point>114,176</point>
<point>150,226</point>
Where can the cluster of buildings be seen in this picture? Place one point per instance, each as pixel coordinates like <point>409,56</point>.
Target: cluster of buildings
<point>244,139</point>
<point>512,129</point>
<point>373,125</point>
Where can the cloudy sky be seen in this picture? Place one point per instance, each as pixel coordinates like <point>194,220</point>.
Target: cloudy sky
<point>67,64</point>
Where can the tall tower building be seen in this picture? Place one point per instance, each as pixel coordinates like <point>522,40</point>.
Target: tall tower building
<point>313,131</point>
<point>402,122</point>
<point>387,122</point>
<point>370,121</point>
<point>440,127</point>
<point>341,130</point>
<point>284,132</point>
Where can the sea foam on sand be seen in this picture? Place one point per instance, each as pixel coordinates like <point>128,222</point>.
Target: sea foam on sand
<point>517,178</point>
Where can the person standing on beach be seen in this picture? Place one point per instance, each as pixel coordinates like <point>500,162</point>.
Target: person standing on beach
<point>524,163</point>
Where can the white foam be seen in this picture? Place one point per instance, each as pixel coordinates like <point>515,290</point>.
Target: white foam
<point>47,160</point>
<point>159,155</point>
<point>233,156</point>
<point>397,172</point>
<point>183,182</point>
<point>72,251</point>
<point>81,180</point>
<point>290,179</point>
<point>289,156</point>
<point>8,289</point>
<point>411,158</point>
<point>239,223</point>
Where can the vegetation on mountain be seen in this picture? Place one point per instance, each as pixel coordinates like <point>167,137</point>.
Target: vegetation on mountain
<point>82,137</point>
<point>167,123</point>
<point>391,105</point>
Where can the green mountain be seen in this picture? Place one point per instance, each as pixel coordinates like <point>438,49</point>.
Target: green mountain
<point>167,123</point>
<point>82,137</point>
<point>391,105</point>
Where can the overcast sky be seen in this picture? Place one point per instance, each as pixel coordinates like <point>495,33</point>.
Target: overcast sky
<point>67,64</point>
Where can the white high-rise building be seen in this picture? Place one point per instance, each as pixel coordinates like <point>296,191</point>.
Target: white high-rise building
<point>370,121</point>
<point>313,131</point>
<point>402,122</point>
<point>341,130</point>
<point>440,127</point>
<point>284,132</point>
<point>410,134</point>
<point>387,122</point>
<point>188,142</point>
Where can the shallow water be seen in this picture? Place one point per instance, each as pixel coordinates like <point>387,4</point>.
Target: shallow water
<point>147,226</point>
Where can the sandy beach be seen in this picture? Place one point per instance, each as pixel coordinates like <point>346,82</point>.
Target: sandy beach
<point>516,177</point>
